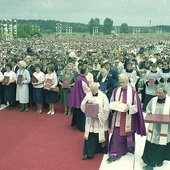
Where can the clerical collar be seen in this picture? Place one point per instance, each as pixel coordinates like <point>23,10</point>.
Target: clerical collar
<point>154,71</point>
<point>161,100</point>
<point>95,94</point>
<point>129,71</point>
<point>165,70</point>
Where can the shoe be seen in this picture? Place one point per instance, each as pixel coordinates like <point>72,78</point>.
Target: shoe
<point>52,113</point>
<point>65,113</point>
<point>26,110</point>
<point>160,164</point>
<point>49,113</point>
<point>21,110</point>
<point>111,159</point>
<point>69,113</point>
<point>40,111</point>
<point>11,108</point>
<point>85,157</point>
<point>148,167</point>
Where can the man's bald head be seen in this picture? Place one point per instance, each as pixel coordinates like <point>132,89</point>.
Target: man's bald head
<point>123,80</point>
<point>94,87</point>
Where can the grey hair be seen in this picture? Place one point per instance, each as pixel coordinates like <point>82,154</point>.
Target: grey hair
<point>95,84</point>
<point>104,70</point>
<point>23,63</point>
<point>124,76</point>
<point>162,86</point>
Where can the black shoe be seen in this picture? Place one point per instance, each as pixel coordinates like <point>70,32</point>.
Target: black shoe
<point>11,108</point>
<point>111,159</point>
<point>85,157</point>
<point>160,164</point>
<point>148,167</point>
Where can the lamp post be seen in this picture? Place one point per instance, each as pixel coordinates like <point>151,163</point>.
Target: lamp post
<point>15,28</point>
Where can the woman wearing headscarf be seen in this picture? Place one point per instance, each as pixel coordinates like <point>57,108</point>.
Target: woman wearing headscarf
<point>22,80</point>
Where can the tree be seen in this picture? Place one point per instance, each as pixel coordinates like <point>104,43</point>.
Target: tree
<point>94,23</point>
<point>108,25</point>
<point>124,28</point>
<point>27,31</point>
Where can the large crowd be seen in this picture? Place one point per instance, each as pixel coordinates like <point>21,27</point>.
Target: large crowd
<point>39,72</point>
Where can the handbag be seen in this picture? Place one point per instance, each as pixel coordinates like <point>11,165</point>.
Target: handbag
<point>56,89</point>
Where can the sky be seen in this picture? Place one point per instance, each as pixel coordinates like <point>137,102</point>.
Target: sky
<point>132,12</point>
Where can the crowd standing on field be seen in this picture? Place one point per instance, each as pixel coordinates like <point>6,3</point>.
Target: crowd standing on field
<point>33,73</point>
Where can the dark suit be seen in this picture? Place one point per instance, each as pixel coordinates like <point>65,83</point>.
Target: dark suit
<point>31,70</point>
<point>110,85</point>
<point>44,69</point>
<point>142,64</point>
<point>15,68</point>
<point>3,70</point>
<point>114,75</point>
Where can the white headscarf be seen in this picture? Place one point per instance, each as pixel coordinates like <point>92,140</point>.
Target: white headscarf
<point>23,64</point>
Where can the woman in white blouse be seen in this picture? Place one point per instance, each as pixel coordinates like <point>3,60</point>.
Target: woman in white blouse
<point>50,95</point>
<point>38,83</point>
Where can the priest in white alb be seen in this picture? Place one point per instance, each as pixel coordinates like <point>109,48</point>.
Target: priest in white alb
<point>96,128</point>
<point>157,146</point>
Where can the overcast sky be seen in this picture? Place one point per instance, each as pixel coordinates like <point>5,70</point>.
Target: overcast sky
<point>132,12</point>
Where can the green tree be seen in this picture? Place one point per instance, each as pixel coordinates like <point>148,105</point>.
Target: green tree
<point>94,23</point>
<point>28,30</point>
<point>108,25</point>
<point>124,28</point>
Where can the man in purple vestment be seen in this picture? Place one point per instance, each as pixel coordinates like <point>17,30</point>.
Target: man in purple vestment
<point>79,91</point>
<point>124,124</point>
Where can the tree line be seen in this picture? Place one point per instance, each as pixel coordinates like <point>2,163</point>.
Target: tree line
<point>29,28</point>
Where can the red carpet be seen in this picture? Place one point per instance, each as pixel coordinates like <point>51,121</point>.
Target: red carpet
<point>29,141</point>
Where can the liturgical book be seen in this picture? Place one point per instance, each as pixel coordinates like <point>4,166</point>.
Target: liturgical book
<point>91,110</point>
<point>48,84</point>
<point>34,79</point>
<point>66,83</point>
<point>19,79</point>
<point>151,81</point>
<point>156,118</point>
<point>118,106</point>
<point>5,80</point>
<point>103,86</point>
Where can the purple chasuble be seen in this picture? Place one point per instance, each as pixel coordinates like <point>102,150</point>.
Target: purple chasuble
<point>120,145</point>
<point>137,124</point>
<point>77,94</point>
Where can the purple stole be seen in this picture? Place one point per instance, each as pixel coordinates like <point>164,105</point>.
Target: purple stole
<point>77,94</point>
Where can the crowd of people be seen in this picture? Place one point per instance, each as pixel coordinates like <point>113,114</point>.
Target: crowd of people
<point>75,70</point>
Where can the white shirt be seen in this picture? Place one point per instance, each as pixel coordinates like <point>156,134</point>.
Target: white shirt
<point>12,76</point>
<point>40,77</point>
